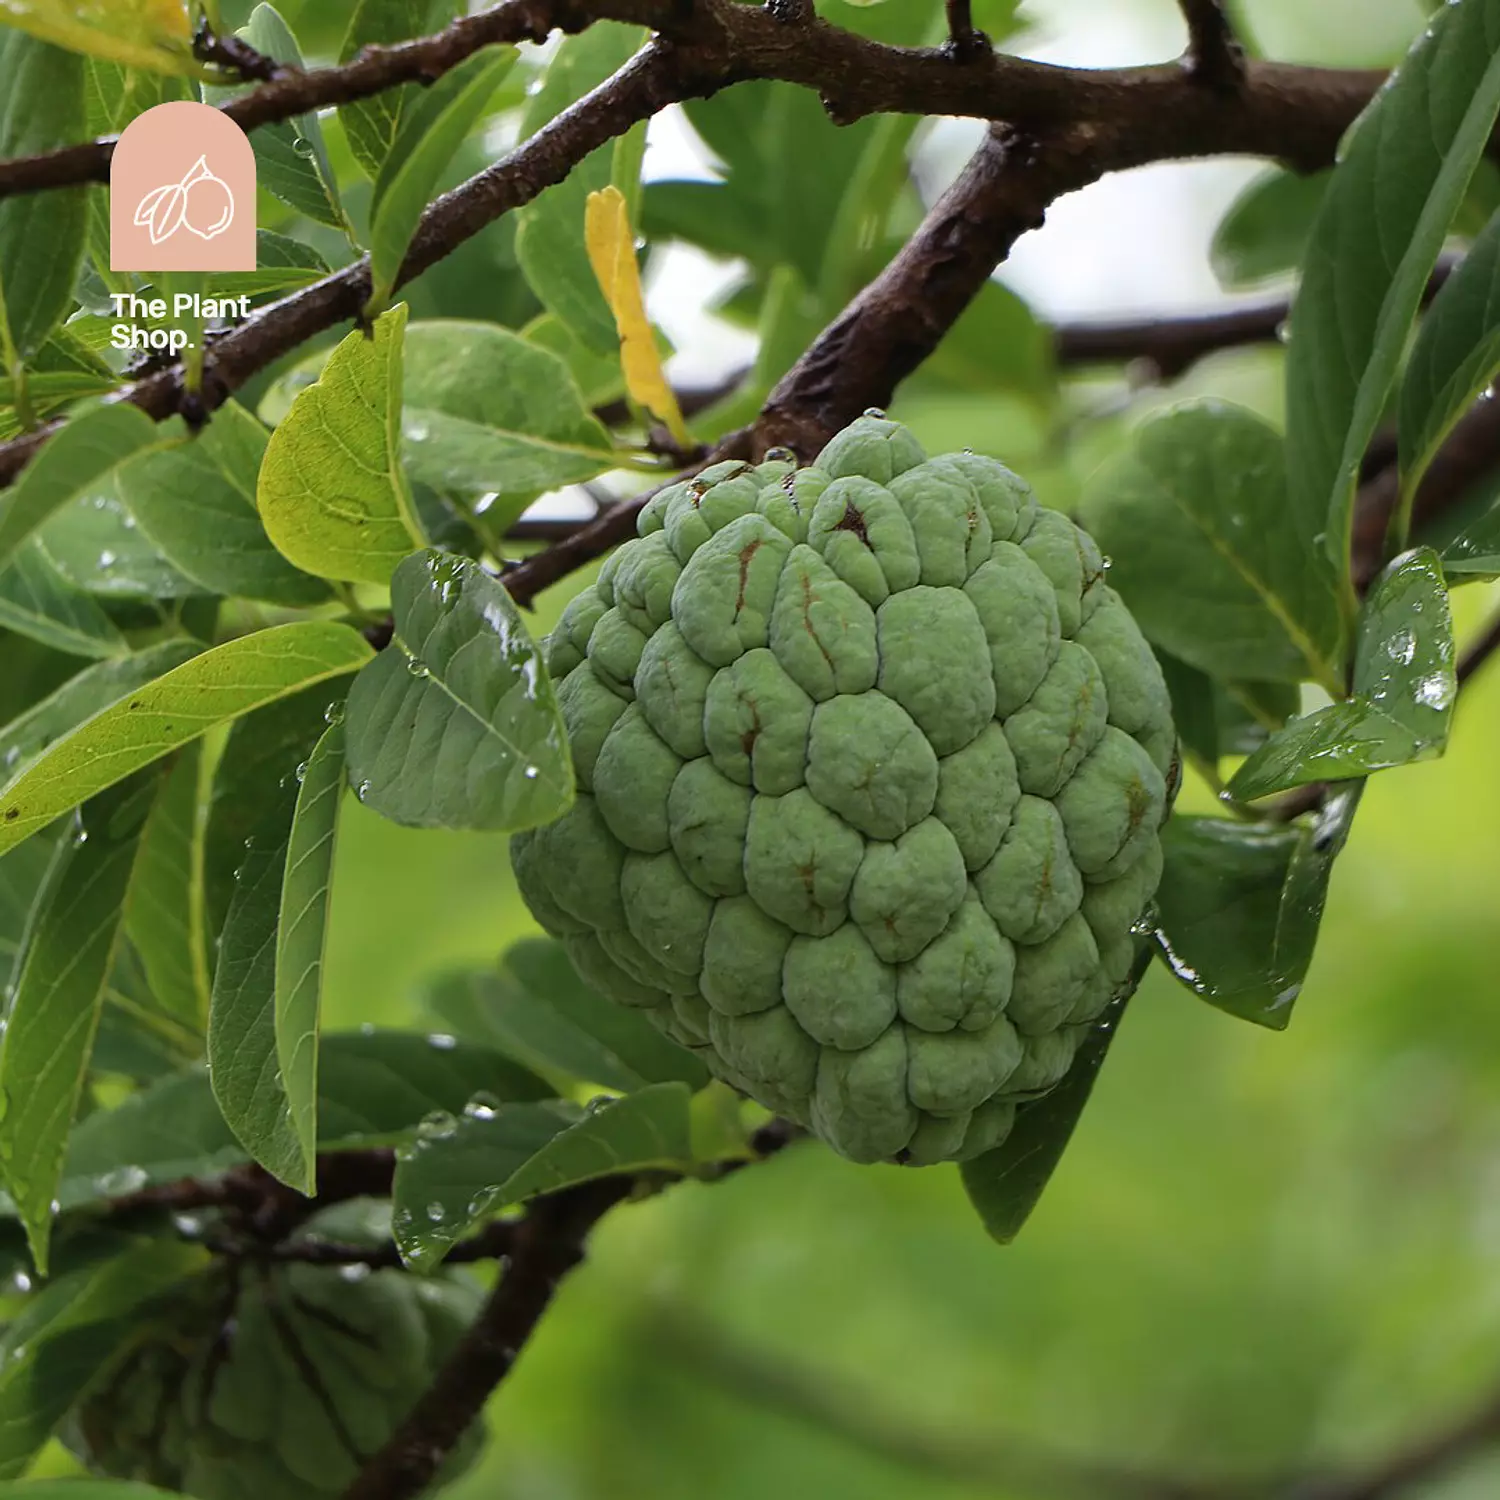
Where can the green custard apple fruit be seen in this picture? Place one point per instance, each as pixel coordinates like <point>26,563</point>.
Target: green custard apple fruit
<point>275,1381</point>
<point>872,763</point>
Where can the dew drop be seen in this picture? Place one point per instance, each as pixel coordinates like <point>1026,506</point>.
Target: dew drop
<point>362,790</point>
<point>417,667</point>
<point>779,455</point>
<point>442,1042</point>
<point>334,713</point>
<point>877,413</point>
<point>437,1126</point>
<point>355,1272</point>
<point>436,1213</point>
<point>120,1181</point>
<point>481,1106</point>
<point>531,773</point>
<point>300,774</point>
<point>303,147</point>
<point>107,559</point>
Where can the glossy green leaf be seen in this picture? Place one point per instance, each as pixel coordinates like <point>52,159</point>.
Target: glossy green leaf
<point>243,1061</point>
<point>302,934</point>
<point>432,129</point>
<point>196,503</point>
<point>165,922</point>
<point>64,1341</point>
<point>59,992</point>
<point>95,543</point>
<point>332,493</point>
<point>489,413</point>
<point>533,1006</point>
<point>1193,520</point>
<point>41,234</point>
<point>83,696</point>
<point>212,689</point>
<point>1239,905</point>
<point>38,602</point>
<point>373,1090</point>
<point>598,376</point>
<point>1264,232</point>
<point>549,240</point>
<point>83,452</point>
<point>1456,353</point>
<point>1404,688</point>
<point>1005,1184</point>
<point>291,157</point>
<point>1375,241</point>
<point>282,265</point>
<point>455,724</point>
<point>459,1172</point>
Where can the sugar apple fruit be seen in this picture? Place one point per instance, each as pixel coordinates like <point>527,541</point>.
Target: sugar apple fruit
<point>872,763</point>
<point>275,1382</point>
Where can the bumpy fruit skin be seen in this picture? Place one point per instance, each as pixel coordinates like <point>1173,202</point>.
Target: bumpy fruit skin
<point>279,1388</point>
<point>872,765</point>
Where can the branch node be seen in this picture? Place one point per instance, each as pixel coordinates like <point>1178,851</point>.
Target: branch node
<point>791,12</point>
<point>966,43</point>
<point>1214,54</point>
<point>235,55</point>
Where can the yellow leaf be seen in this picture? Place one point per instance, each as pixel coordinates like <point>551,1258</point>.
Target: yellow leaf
<point>606,228</point>
<point>153,34</point>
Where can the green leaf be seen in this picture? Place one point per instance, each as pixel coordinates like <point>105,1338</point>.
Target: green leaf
<point>95,543</point>
<point>373,1090</point>
<point>59,993</point>
<point>455,724</point>
<point>432,129</point>
<point>598,377</point>
<point>549,240</point>
<point>1375,241</point>
<point>332,493</point>
<point>301,937</point>
<point>1456,353</point>
<point>243,1046</point>
<point>165,922</point>
<point>63,1342</point>
<point>38,602</point>
<point>1193,520</point>
<point>535,1008</point>
<point>1404,689</point>
<point>84,451</point>
<point>997,344</point>
<point>457,1173</point>
<point>83,696</point>
<point>211,689</point>
<point>282,265</point>
<point>23,879</point>
<point>196,502</point>
<point>1264,232</point>
<point>290,155</point>
<point>41,234</point>
<point>1005,1184</point>
<point>489,413</point>
<point>1239,905</point>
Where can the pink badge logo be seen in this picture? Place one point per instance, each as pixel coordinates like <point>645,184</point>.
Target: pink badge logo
<point>182,193</point>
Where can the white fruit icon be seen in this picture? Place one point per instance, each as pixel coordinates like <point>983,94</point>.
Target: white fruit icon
<point>201,203</point>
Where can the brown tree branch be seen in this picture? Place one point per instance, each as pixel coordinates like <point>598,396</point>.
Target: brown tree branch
<point>1287,111</point>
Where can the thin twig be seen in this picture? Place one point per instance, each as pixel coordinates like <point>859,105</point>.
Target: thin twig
<point>965,42</point>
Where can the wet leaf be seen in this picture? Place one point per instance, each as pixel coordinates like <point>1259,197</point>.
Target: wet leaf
<point>1239,905</point>
<point>455,724</point>
<point>458,1173</point>
<point>212,689</point>
<point>1404,687</point>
